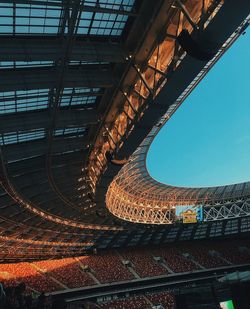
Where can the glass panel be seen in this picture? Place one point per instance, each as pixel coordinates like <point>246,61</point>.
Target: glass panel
<point>78,96</point>
<point>21,136</point>
<point>46,16</point>
<point>29,19</point>
<point>108,24</point>
<point>71,131</point>
<point>23,100</point>
<point>24,64</point>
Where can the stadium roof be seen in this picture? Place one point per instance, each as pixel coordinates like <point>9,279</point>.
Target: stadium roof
<point>77,80</point>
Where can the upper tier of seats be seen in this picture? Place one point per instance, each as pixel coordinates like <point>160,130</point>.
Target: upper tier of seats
<point>106,267</point>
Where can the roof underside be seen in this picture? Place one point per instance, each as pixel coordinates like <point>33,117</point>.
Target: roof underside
<point>61,66</point>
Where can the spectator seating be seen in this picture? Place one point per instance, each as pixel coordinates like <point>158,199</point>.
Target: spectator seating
<point>13,274</point>
<point>175,260</point>
<point>107,267</point>
<point>52,275</point>
<point>143,262</point>
<point>231,252</point>
<point>137,302</point>
<point>202,256</point>
<point>67,271</point>
<point>166,299</point>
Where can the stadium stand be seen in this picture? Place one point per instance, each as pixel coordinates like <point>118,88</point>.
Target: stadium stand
<point>14,274</point>
<point>203,255</point>
<point>165,299</point>
<point>137,302</point>
<point>143,262</point>
<point>67,271</point>
<point>105,272</point>
<point>85,86</point>
<point>175,260</point>
<point>232,253</point>
<point>52,275</point>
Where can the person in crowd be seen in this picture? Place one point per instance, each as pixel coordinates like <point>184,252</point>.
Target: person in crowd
<point>41,301</point>
<point>28,301</point>
<point>2,296</point>
<point>11,300</point>
<point>59,303</point>
<point>19,295</point>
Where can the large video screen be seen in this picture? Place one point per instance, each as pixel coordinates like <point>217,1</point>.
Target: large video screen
<point>189,213</point>
<point>227,304</point>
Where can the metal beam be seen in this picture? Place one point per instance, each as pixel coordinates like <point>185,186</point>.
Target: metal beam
<point>68,176</point>
<point>184,78</point>
<point>51,49</point>
<point>30,149</point>
<point>90,76</point>
<point>67,160</point>
<point>98,8</point>
<point>186,14</point>
<point>42,119</point>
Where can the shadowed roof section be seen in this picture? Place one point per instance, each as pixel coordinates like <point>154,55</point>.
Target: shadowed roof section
<point>82,83</point>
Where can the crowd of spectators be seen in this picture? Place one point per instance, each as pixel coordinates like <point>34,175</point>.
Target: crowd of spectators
<point>53,275</point>
<point>136,302</point>
<point>19,297</point>
<point>164,299</point>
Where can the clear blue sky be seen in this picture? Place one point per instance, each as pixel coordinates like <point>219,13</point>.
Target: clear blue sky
<point>207,141</point>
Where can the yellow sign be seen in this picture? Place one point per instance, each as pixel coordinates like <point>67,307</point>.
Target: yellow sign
<point>189,216</point>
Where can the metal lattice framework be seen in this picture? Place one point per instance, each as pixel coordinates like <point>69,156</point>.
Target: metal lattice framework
<point>134,196</point>
<point>57,61</point>
<point>77,78</point>
<point>227,210</point>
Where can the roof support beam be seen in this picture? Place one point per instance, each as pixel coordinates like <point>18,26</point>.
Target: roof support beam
<point>37,177</point>
<point>25,167</point>
<point>51,48</point>
<point>30,149</point>
<point>42,119</point>
<point>90,76</point>
<point>85,8</point>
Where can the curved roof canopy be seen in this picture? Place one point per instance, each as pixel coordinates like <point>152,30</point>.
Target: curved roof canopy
<point>79,82</point>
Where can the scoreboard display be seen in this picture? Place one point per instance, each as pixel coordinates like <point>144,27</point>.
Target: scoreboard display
<point>189,213</point>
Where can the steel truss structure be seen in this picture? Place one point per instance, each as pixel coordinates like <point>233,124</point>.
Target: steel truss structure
<point>80,89</point>
<point>227,210</point>
<point>134,196</point>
